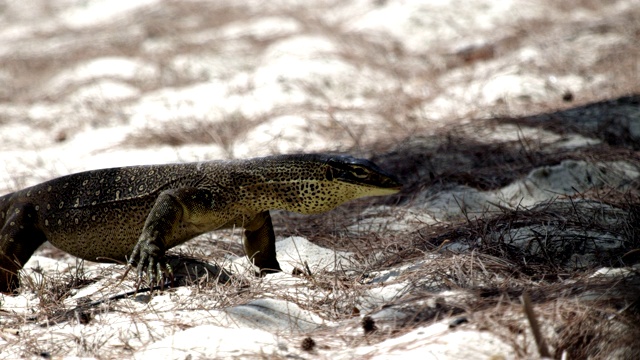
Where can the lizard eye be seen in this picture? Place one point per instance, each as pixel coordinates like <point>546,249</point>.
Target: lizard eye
<point>359,172</point>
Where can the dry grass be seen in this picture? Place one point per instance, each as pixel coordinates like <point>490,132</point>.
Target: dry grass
<point>583,315</point>
<point>222,132</point>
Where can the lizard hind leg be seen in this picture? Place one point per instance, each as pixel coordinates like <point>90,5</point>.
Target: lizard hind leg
<point>19,239</point>
<point>260,243</point>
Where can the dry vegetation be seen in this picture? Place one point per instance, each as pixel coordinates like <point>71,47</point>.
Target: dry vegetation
<point>567,238</point>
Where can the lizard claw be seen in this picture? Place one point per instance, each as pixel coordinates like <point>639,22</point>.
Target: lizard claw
<point>148,259</point>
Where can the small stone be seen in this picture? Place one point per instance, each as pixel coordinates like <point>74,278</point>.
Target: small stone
<point>368,325</point>
<point>308,344</point>
<point>567,96</point>
<point>457,322</point>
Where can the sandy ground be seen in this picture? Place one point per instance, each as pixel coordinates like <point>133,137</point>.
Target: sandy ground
<point>514,126</point>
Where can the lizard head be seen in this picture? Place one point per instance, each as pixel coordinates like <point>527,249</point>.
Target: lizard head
<point>362,175</point>
<point>313,183</point>
<point>323,182</point>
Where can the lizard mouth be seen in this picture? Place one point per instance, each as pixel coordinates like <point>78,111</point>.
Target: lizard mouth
<point>378,184</point>
<point>383,185</point>
<point>376,191</point>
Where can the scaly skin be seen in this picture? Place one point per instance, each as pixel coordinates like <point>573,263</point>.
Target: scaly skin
<point>137,213</point>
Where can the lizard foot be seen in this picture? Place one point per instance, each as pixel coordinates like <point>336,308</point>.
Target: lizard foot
<point>149,258</point>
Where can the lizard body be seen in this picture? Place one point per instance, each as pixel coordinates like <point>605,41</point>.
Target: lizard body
<point>136,213</point>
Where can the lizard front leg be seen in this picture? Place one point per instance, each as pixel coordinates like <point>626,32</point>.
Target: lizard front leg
<point>167,226</point>
<point>260,243</point>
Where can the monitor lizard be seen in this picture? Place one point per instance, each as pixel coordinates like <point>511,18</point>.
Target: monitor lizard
<point>134,214</point>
